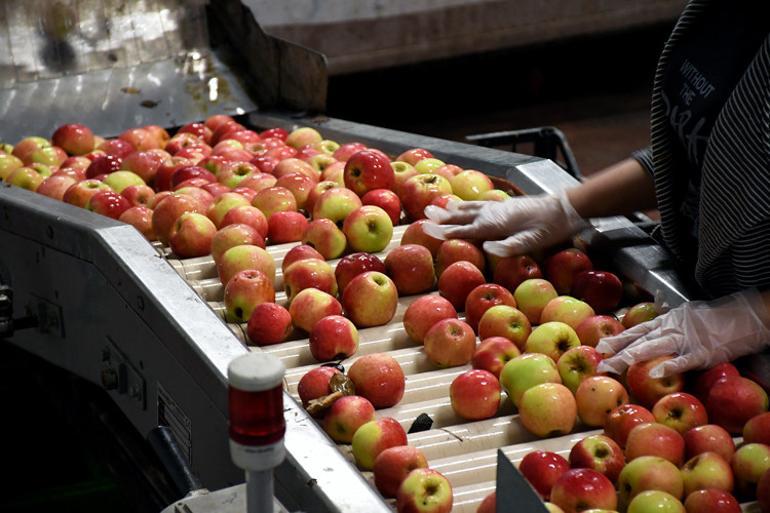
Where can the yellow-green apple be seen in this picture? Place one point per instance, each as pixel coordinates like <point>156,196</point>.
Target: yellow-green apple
<point>639,313</point>
<point>580,489</point>
<point>428,165</point>
<point>418,191</point>
<point>120,180</point>
<point>335,172</point>
<point>493,353</point>
<point>354,264</point>
<point>470,184</point>
<point>301,252</point>
<point>482,298</point>
<point>325,237</point>
<point>269,324</point>
<point>243,257</point>
<point>345,416</point>
<point>27,146</point>
<point>757,429</point>
<point>749,463</point>
<point>26,178</point>
<point>368,170</point>
<point>274,199</point>
<point>654,501</point>
<point>233,173</point>
<point>410,266</point>
<point>283,227</point>
<point>393,465</point>
<point>594,328</point>
<point>379,378</point>
<point>423,313</point>
<point>457,281</point>
<point>707,470</point>
<point>710,438</point>
<point>246,214</point>
<point>385,199</point>
<point>370,299</point>
<point>542,469</point>
<point>547,409</point>
<point>763,493</point>
<point>458,250</point>
<point>74,138</point>
<point>374,437</point>
<point>345,151</point>
<point>600,453</point>
<point>368,228</point>
<point>112,204</point>
<point>526,371</point>
<point>138,194</point>
<point>55,186</point>
<point>309,273</point>
<point>303,136</point>
<point>577,364</point>
<point>316,191</point>
<point>299,185</point>
<point>316,383</point>
<point>310,306</point>
<point>414,234</point>
<point>621,420</point>
<point>596,397</point>
<point>552,339</point>
<point>244,292</point>
<point>703,381</point>
<point>566,309</point>
<point>510,272</point>
<point>234,235</point>
<point>78,194</point>
<point>223,204</point>
<point>259,181</point>
<point>733,401</point>
<point>532,295</point>
<point>168,211</point>
<point>103,165</point>
<point>9,164</point>
<point>140,218</point>
<point>414,155</point>
<point>336,205</point>
<point>648,473</point>
<point>648,390</point>
<point>402,172</point>
<point>424,491</point>
<point>450,342</point>
<point>321,163</point>
<point>495,195</point>
<point>652,439</point>
<point>475,395</point>
<point>332,337</point>
<point>292,166</point>
<point>680,411</point>
<point>712,501</point>
<point>50,156</point>
<point>562,267</point>
<point>602,290</point>
<point>504,321</point>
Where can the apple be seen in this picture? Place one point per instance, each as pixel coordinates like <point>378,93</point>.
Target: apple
<point>354,264</point>
<point>749,463</point>
<point>223,204</point>
<point>599,453</point>
<point>310,306</point>
<point>199,130</point>
<point>138,195</point>
<point>594,328</point>
<point>74,138</point>
<point>482,298</point>
<point>450,342</point>
<point>55,186</point>
<point>368,228</point>
<point>704,380</point>
<point>52,156</point>
<point>596,397</point>
<point>713,501</point>
<point>301,252</point>
<point>562,268</point>
<point>245,214</point>
<point>621,420</point>
<point>336,205</point>
<point>552,339</point>
<point>217,120</point>
<point>402,172</point>
<point>80,164</point>
<point>345,416</point>
<point>547,409</point>
<point>9,164</point>
<point>648,473</point>
<point>444,200</point>
<point>470,184</point>
<point>277,133</point>
<point>655,501</point>
<point>428,165</point>
<point>566,309</point>
<point>332,337</point>
<point>27,146</point>
<point>410,266</point>
<point>763,493</point>
<point>510,272</point>
<point>146,164</point>
<point>733,401</point>
<point>244,292</point>
<point>709,438</point>
<point>120,180</point>
<point>234,235</point>
<point>707,470</point>
<point>542,469</point>
<point>639,313</point>
<point>79,193</point>
<point>103,165</point>
<point>110,204</point>
<point>286,227</point>
<point>140,218</point>
<point>457,250</point>
<point>258,182</point>
<point>379,378</point>
<point>494,195</point>
<point>526,371</point>
<point>367,170</point>
<point>648,390</point>
<point>316,192</point>
<point>602,290</point>
<point>414,155</point>
<point>245,257</point>
<point>385,199</point>
<point>418,191</point>
<point>577,364</point>
<point>531,295</point>
<point>265,164</point>
<point>140,138</point>
<point>680,411</point>
<point>316,383</point>
<point>334,172</point>
<point>653,439</point>
<point>423,313</point>
<point>299,185</point>
<point>290,166</point>
<point>504,321</point>
<point>393,465</point>
<point>309,273</point>
<point>757,429</point>
<point>268,324</point>
<point>205,198</point>
<point>345,151</point>
<point>370,299</point>
<point>281,153</point>
<point>458,280</point>
<point>424,491</point>
<point>303,136</point>
<point>493,353</point>
<point>233,174</point>
<point>168,211</point>
<point>581,489</point>
<point>26,178</point>
<point>184,173</point>
<point>475,395</point>
<point>325,237</point>
<point>274,199</point>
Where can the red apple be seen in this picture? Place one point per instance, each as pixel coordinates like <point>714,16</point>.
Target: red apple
<point>393,465</point>
<point>418,191</point>
<point>450,342</point>
<point>345,416</point>
<point>286,227</point>
<point>367,170</point>
<point>414,234</point>
<point>680,411</point>
<point>75,139</point>
<point>386,200</point>
<point>55,186</point>
<point>245,257</point>
<point>300,185</point>
<point>379,378</point>
<point>623,419</point>
<point>275,199</point>
<point>370,299</point>
<point>309,273</point>
<point>709,438</point>
<point>648,390</point>
<point>333,337</point>
<point>290,166</point>
<point>493,353</point>
<point>414,155</point>
<point>562,268</point>
<point>278,133</point>
<point>655,440</point>
<point>484,297</point>
<point>600,289</point>
<point>599,453</point>
<point>457,250</point>
<point>117,147</point>
<point>103,165</point>
<point>265,164</point>
<point>301,252</point>
<point>757,429</point>
<point>352,265</point>
<point>244,292</point>
<point>310,306</point>
<point>566,309</point>
<point>140,218</point>
<point>168,211</point>
<point>423,313</point>
<point>457,281</point>
<point>489,504</point>
<point>475,395</point>
<point>733,401</point>
<point>108,203</point>
<point>315,383</point>
<point>510,272</point>
<point>138,195</point>
<point>410,266</point>
<point>712,501</point>
<point>505,321</point>
<point>248,215</point>
<point>270,323</point>
<point>596,327</point>
<point>705,380</point>
<point>583,489</point>
<point>542,469</point>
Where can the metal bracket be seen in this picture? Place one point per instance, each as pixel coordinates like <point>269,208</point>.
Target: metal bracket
<point>119,375</point>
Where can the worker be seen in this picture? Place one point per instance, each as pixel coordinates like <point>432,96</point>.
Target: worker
<point>707,171</point>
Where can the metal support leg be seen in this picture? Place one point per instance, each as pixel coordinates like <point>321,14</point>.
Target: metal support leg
<point>259,491</point>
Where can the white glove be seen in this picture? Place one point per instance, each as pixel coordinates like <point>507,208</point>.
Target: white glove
<point>701,333</point>
<point>511,227</point>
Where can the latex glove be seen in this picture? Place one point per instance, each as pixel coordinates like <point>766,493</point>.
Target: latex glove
<point>510,227</point>
<point>701,334</point>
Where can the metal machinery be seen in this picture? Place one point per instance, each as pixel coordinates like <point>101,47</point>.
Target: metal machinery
<point>127,316</point>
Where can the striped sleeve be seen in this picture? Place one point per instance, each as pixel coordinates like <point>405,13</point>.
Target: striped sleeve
<point>644,158</point>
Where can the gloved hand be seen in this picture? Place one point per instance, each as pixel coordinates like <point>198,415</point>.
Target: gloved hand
<point>511,227</point>
<point>702,334</point>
